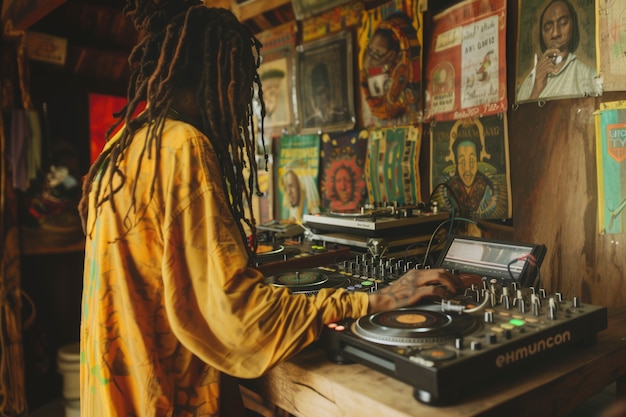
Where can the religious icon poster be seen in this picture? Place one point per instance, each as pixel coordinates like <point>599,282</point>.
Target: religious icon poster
<point>470,171</point>
<point>392,165</point>
<point>342,182</point>
<point>611,163</point>
<point>390,64</point>
<point>466,65</point>
<point>556,61</point>
<point>296,179</point>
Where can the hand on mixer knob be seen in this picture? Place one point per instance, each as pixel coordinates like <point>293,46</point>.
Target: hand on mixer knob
<point>414,286</point>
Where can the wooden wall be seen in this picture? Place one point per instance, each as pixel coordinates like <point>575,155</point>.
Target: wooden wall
<point>554,182</point>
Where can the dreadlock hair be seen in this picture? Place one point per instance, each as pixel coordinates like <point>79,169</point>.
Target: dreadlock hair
<point>188,46</point>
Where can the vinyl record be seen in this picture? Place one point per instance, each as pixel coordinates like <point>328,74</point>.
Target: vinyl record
<point>414,326</point>
<point>307,281</point>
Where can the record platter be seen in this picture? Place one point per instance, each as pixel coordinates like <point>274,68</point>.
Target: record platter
<point>414,326</point>
<point>310,281</point>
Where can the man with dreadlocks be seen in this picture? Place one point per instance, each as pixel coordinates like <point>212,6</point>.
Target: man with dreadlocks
<point>172,311</point>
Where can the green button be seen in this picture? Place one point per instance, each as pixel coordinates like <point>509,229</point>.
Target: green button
<point>517,322</point>
<point>367,283</point>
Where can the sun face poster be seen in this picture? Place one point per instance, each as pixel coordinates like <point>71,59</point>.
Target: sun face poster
<point>466,64</point>
<point>470,172</point>
<point>611,163</point>
<point>342,182</point>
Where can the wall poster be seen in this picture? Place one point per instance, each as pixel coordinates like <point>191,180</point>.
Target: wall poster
<point>556,54</point>
<point>470,167</point>
<point>342,182</point>
<point>276,73</point>
<point>390,64</point>
<point>466,69</point>
<point>611,43</point>
<point>391,168</point>
<point>611,163</point>
<point>297,170</point>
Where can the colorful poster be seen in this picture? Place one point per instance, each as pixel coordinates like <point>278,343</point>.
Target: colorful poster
<point>611,163</point>
<point>470,167</point>
<point>342,181</point>
<point>556,54</point>
<point>390,64</point>
<point>466,69</point>
<point>297,170</point>
<point>391,167</point>
<point>611,43</point>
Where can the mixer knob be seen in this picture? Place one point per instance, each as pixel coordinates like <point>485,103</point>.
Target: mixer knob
<point>458,343</point>
<point>492,338</point>
<point>575,302</point>
<point>521,305</point>
<point>559,297</point>
<point>488,316</point>
<point>476,345</point>
<point>542,293</point>
<point>536,309</point>
<point>506,302</point>
<point>552,309</point>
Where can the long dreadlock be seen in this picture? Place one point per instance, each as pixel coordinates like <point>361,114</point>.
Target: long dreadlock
<point>206,50</point>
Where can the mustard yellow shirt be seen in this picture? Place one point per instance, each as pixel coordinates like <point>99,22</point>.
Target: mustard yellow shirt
<point>168,301</point>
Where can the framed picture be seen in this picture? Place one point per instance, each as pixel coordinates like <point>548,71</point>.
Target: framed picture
<point>551,67</point>
<point>324,84</point>
<point>306,8</point>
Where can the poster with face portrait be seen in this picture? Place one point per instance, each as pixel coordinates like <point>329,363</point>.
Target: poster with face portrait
<point>556,50</point>
<point>296,177</point>
<point>389,59</point>
<point>342,182</point>
<point>391,167</point>
<point>276,83</point>
<point>324,84</point>
<point>466,65</point>
<point>469,161</point>
<point>276,75</point>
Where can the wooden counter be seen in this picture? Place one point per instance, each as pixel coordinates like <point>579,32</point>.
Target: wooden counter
<point>310,385</point>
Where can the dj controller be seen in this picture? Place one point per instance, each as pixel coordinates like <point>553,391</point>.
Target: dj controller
<point>444,348</point>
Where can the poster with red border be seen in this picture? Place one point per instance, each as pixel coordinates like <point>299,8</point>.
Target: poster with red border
<point>466,65</point>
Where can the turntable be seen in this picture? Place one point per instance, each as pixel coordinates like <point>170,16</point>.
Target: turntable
<point>445,350</point>
<point>377,222</point>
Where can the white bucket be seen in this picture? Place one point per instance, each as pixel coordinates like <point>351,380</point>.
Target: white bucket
<point>68,363</point>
